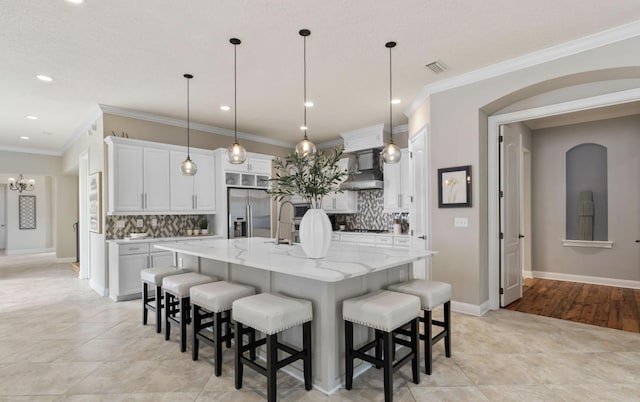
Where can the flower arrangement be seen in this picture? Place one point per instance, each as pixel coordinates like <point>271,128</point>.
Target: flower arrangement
<point>310,176</point>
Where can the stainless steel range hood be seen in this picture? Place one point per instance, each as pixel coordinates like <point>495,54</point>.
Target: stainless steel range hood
<point>368,175</point>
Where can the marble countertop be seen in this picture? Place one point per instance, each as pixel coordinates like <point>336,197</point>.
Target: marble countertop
<point>371,233</point>
<point>160,239</point>
<point>343,260</point>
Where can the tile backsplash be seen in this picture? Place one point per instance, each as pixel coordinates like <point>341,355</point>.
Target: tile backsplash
<point>166,225</point>
<point>371,213</point>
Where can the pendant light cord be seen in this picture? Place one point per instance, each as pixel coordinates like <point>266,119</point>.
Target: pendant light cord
<point>188,119</point>
<point>304,38</point>
<point>390,100</point>
<point>235,95</point>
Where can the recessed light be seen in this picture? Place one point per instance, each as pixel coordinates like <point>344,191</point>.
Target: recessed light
<point>30,117</point>
<point>24,137</point>
<point>303,128</point>
<point>44,78</point>
<point>225,108</point>
<point>308,104</point>
<point>76,1</point>
<point>395,101</point>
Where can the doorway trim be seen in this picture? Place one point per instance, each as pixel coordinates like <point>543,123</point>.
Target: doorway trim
<point>494,123</point>
<point>83,214</point>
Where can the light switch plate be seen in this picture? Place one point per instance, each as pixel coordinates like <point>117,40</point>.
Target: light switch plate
<point>139,223</point>
<point>120,224</point>
<point>461,222</point>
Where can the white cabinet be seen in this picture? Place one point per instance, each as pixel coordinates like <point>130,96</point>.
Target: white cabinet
<point>155,168</point>
<point>125,178</point>
<point>130,268</point>
<point>382,240</point>
<point>254,164</point>
<point>193,193</point>
<point>398,185</point>
<point>161,259</point>
<point>345,202</point>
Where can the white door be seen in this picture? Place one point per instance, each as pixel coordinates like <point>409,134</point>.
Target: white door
<point>3,220</point>
<point>156,179</point>
<point>418,217</point>
<point>128,178</point>
<point>511,261</point>
<point>181,186</point>
<point>204,183</point>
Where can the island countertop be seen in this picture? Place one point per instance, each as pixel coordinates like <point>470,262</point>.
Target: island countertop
<point>343,261</point>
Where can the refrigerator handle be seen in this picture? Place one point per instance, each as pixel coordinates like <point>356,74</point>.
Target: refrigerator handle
<point>248,213</point>
<point>250,217</point>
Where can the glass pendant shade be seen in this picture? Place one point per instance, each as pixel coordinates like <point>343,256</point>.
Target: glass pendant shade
<point>236,154</point>
<point>305,147</point>
<point>188,167</point>
<point>391,153</point>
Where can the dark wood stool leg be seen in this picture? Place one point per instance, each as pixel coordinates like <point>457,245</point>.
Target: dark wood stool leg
<point>237,353</point>
<point>145,298</point>
<point>447,327</point>
<point>228,328</point>
<point>387,338</point>
<point>272,366</point>
<point>415,349</point>
<point>184,318</point>
<point>217,335</point>
<point>252,341</point>
<point>348,349</point>
<point>306,342</point>
<point>158,309</point>
<point>428,341</point>
<point>168,301</point>
<point>378,338</point>
<point>196,328</point>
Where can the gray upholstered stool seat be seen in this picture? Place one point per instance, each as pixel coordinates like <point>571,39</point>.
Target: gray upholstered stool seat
<point>382,309</point>
<point>270,314</point>
<point>211,312</point>
<point>432,294</point>
<point>177,290</point>
<point>387,312</point>
<point>154,277</point>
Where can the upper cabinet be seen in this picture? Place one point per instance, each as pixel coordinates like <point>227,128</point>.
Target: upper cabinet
<point>144,178</point>
<point>397,184</point>
<point>345,202</point>
<point>255,163</point>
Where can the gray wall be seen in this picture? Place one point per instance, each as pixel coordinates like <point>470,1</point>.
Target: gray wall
<point>621,136</point>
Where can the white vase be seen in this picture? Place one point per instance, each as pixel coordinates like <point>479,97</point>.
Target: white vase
<point>315,233</point>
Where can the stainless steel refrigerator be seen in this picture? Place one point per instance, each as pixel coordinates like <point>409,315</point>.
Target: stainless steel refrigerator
<point>249,213</point>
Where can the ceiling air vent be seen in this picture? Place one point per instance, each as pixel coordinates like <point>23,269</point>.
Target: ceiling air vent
<point>437,67</point>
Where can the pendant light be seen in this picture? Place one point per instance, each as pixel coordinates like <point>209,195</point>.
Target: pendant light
<point>305,147</point>
<point>188,167</point>
<point>236,153</point>
<point>391,153</point>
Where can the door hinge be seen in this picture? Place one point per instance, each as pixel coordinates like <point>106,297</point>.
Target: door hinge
<point>410,155</point>
<point>411,198</point>
<point>501,235</point>
<point>501,194</point>
<point>501,291</point>
<point>501,138</point>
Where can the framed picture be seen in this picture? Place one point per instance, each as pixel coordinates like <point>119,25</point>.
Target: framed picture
<point>27,212</point>
<point>95,202</point>
<point>454,187</point>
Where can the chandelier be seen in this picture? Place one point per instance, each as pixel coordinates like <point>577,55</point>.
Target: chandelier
<point>21,184</point>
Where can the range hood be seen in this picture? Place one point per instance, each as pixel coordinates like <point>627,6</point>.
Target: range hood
<point>368,175</point>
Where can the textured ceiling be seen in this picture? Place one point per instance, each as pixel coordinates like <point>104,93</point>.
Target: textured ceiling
<point>132,54</point>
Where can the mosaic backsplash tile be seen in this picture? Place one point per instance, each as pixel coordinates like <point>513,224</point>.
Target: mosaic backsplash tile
<point>166,225</point>
<point>371,213</point>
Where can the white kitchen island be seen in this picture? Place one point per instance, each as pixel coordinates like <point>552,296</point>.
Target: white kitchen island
<point>347,271</point>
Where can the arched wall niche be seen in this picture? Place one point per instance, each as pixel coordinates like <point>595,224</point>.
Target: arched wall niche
<point>586,193</point>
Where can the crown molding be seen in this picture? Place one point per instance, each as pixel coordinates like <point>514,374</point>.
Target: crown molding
<point>37,151</point>
<point>89,121</point>
<point>154,118</point>
<point>585,43</point>
<point>329,144</point>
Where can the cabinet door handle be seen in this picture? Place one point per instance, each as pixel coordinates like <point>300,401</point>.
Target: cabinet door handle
<point>422,237</point>
<point>146,203</point>
<point>399,200</point>
<point>196,197</point>
<point>142,200</point>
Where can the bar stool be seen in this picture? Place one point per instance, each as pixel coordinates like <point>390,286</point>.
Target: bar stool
<point>270,314</point>
<point>385,312</point>
<point>154,277</point>
<point>177,301</point>
<point>432,294</point>
<point>211,309</point>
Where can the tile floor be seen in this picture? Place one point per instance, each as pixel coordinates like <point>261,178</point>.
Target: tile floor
<point>60,341</point>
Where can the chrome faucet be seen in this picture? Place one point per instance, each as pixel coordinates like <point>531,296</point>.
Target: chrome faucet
<point>278,224</point>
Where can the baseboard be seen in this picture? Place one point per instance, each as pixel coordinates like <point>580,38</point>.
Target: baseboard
<point>66,259</point>
<point>477,310</point>
<point>102,291</point>
<point>30,251</point>
<point>527,274</point>
<point>594,280</point>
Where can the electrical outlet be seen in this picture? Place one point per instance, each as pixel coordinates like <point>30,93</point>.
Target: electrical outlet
<point>139,223</point>
<point>179,262</point>
<point>461,222</point>
<point>402,275</point>
<point>120,224</point>
<point>154,222</point>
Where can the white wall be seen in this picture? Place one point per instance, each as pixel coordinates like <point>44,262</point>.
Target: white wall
<point>621,137</point>
<point>41,239</point>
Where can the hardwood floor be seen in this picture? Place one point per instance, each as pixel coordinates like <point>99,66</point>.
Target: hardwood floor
<point>605,306</point>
